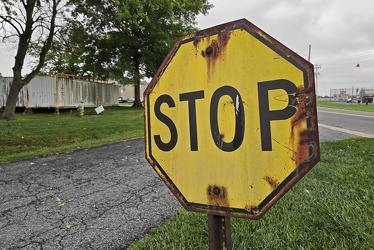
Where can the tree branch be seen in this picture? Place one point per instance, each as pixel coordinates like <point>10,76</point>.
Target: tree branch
<point>8,20</point>
<point>46,45</point>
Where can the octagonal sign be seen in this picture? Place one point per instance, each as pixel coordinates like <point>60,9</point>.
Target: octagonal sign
<point>230,120</point>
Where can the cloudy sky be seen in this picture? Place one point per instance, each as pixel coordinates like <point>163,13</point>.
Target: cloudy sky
<point>340,32</point>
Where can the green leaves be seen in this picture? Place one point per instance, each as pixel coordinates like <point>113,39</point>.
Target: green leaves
<point>122,38</point>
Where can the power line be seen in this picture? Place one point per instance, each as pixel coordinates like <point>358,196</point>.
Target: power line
<point>363,57</point>
<point>350,82</point>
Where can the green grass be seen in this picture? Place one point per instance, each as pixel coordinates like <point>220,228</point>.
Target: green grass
<point>348,106</point>
<point>42,133</point>
<point>332,207</point>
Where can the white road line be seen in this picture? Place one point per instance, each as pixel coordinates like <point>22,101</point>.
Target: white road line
<point>347,114</point>
<point>352,132</point>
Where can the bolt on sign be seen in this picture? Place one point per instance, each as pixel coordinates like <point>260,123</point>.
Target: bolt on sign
<point>230,120</point>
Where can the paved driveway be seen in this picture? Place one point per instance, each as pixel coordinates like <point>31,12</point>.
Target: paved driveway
<point>99,198</point>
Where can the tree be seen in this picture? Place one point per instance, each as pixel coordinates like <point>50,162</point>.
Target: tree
<point>26,21</point>
<point>67,51</point>
<point>134,36</point>
<point>75,52</point>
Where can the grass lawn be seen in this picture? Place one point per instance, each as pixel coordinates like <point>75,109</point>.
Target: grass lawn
<point>348,106</point>
<point>42,133</point>
<point>332,207</point>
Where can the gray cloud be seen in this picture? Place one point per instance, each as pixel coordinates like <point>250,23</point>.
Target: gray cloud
<point>339,31</point>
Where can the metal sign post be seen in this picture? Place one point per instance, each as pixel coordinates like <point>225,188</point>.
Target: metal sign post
<point>219,232</point>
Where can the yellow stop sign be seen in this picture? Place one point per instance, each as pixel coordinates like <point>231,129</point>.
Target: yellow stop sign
<point>230,120</point>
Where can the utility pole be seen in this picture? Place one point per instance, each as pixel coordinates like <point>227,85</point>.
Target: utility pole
<point>310,48</point>
<point>316,67</point>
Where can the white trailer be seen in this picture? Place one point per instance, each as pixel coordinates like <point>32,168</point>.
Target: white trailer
<point>59,93</point>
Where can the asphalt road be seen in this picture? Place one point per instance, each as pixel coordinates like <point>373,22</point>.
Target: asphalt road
<point>105,197</point>
<point>337,124</point>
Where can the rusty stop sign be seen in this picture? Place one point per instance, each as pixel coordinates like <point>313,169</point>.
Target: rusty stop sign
<point>230,120</point>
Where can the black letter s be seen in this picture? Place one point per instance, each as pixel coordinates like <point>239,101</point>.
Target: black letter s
<point>167,121</point>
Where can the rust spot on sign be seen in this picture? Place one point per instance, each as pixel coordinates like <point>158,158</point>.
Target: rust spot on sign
<point>217,195</point>
<point>196,45</point>
<point>252,209</point>
<point>196,42</point>
<point>271,181</point>
<point>217,47</point>
<point>299,117</point>
<point>223,38</point>
<point>215,50</point>
<point>303,118</point>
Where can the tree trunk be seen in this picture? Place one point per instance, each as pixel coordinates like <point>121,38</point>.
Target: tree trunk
<point>12,99</point>
<point>17,84</point>
<point>137,102</point>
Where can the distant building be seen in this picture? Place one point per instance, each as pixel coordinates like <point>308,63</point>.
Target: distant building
<point>366,95</point>
<point>128,91</point>
<point>342,95</point>
<point>353,94</point>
